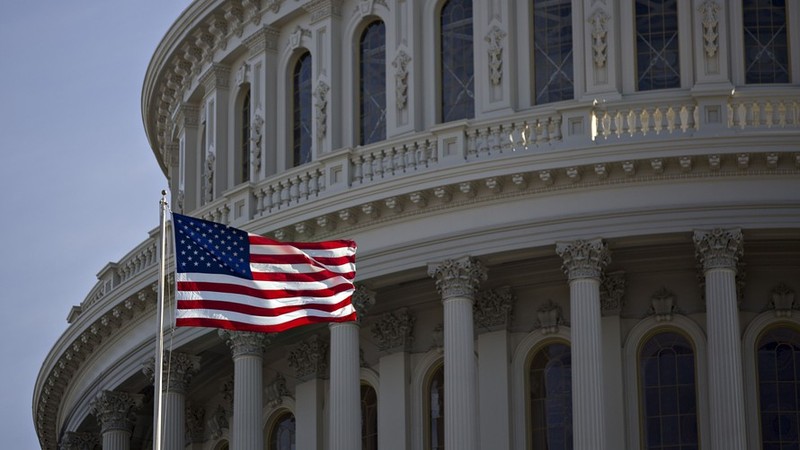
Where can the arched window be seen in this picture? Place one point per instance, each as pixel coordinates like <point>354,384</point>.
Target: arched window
<point>434,415</point>
<point>766,45</point>
<point>552,50</point>
<point>550,398</point>
<point>657,57</point>
<point>778,363</point>
<point>457,71</point>
<point>369,418</point>
<point>668,392</point>
<point>244,148</point>
<point>302,110</point>
<point>282,433</point>
<point>372,83</point>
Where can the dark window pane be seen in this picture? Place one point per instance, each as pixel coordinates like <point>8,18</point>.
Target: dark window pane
<point>766,45</point>
<point>436,409</point>
<point>369,418</point>
<point>372,83</point>
<point>778,354</point>
<point>552,50</point>
<point>457,71</point>
<point>550,382</point>
<point>282,434</point>
<point>302,110</point>
<point>657,65</point>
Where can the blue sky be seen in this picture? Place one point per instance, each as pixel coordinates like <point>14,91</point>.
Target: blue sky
<point>79,184</point>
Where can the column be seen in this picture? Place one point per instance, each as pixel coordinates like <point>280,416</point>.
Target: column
<point>583,264</point>
<point>78,441</point>
<point>115,414</point>
<point>457,281</point>
<point>718,251</point>
<point>248,353</point>
<point>345,391</point>
<point>612,291</point>
<point>394,334</point>
<point>179,368</point>
<point>310,361</point>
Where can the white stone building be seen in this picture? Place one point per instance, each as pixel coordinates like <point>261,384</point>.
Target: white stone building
<point>578,227</point>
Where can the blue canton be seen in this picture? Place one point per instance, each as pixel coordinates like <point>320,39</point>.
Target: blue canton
<point>209,247</point>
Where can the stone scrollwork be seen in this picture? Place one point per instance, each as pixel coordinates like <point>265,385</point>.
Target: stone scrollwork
<point>583,259</point>
<point>709,11</point>
<point>718,248</point>
<point>782,300</point>
<point>612,292</point>
<point>321,107</point>
<point>310,358</point>
<point>116,410</point>
<point>662,305</point>
<point>400,65</point>
<point>458,277</point>
<point>257,128</point>
<point>218,423</point>
<point>195,418</point>
<point>495,49</point>
<point>362,300</point>
<point>179,369</point>
<point>208,183</point>
<point>276,390</point>
<point>395,330</point>
<point>550,317</point>
<point>599,29</point>
<point>493,308</point>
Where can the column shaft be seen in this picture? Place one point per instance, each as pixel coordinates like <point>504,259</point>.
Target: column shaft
<point>117,440</point>
<point>247,403</point>
<point>175,419</point>
<point>460,418</point>
<point>724,361</point>
<point>345,392</point>
<point>587,365</point>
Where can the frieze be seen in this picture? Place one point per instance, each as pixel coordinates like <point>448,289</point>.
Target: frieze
<point>709,11</point>
<point>782,300</point>
<point>400,64</point>
<point>362,299</point>
<point>321,106</point>
<point>458,277</point>
<point>598,22</point>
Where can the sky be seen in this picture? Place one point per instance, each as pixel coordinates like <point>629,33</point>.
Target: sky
<point>79,185</point>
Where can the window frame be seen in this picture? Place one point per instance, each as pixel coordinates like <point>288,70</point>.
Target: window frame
<point>541,345</point>
<point>531,53</point>
<point>293,156</point>
<point>359,138</point>
<point>439,66</point>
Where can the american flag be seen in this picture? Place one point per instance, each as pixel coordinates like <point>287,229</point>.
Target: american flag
<point>229,278</point>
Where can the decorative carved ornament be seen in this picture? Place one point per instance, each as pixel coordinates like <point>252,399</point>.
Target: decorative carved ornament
<point>116,410</point>
<point>179,368</point>
<point>79,441</point>
<point>400,65</point>
<point>362,300</point>
<point>458,277</point>
<point>550,317</point>
<point>208,186</point>
<point>718,248</point>
<point>321,106</point>
<point>583,259</point>
<point>493,308</point>
<point>495,49</point>
<point>782,300</point>
<point>395,330</point>
<point>195,424</point>
<point>245,343</point>
<point>296,38</point>
<point>599,29</point>
<point>218,423</point>
<point>709,11</point>
<point>612,292</point>
<point>310,358</point>
<point>257,128</point>
<point>276,390</point>
<point>662,305</point>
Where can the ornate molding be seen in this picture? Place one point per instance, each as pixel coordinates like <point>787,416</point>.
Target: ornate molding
<point>495,38</point>
<point>362,299</point>
<point>493,308</point>
<point>218,423</point>
<point>458,277</point>
<point>116,410</point>
<point>245,343</point>
<point>179,368</point>
<point>709,10</point>
<point>257,130</point>
<point>612,293</point>
<point>662,304</point>
<point>321,106</point>
<point>309,359</point>
<point>216,77</point>
<point>208,182</point>
<point>584,259</point>
<point>79,441</point>
<point>265,39</point>
<point>400,65</point>
<point>718,248</point>
<point>195,424</point>
<point>323,9</point>
<point>276,390</point>
<point>296,37</point>
<point>550,317</point>
<point>599,31</point>
<point>782,300</point>
<point>394,331</point>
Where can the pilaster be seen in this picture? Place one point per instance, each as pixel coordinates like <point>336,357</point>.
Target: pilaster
<point>457,281</point>
<point>719,251</point>
<point>310,361</point>
<point>495,66</point>
<point>247,349</point>
<point>216,82</point>
<point>584,262</point>
<point>263,63</point>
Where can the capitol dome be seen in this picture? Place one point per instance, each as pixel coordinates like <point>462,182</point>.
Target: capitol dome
<point>578,227</point>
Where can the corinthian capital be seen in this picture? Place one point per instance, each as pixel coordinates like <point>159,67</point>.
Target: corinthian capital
<point>245,343</point>
<point>718,248</point>
<point>362,300</point>
<point>115,410</point>
<point>179,368</point>
<point>458,277</point>
<point>583,259</point>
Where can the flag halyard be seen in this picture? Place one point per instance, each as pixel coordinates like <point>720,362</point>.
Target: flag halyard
<point>228,278</point>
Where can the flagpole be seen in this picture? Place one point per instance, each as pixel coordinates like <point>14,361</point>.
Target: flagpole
<point>159,359</point>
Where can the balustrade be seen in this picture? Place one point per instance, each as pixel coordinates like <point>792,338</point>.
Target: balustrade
<point>760,112</point>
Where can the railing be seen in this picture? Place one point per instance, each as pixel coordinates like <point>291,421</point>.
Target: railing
<point>462,143</point>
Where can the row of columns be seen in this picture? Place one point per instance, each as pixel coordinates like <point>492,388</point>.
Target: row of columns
<point>457,281</point>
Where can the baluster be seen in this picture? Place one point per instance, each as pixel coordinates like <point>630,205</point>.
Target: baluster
<point>670,119</point>
<point>313,183</point>
<point>284,193</point>
<point>730,115</point>
<point>269,199</point>
<point>545,137</point>
<point>400,158</point>
<point>302,189</point>
<point>555,123</point>
<point>631,122</point>
<point>410,155</point>
<point>472,144</point>
<point>782,114</point>
<point>368,167</point>
<point>684,114</point>
<point>618,123</point>
<point>644,118</point>
<point>795,113</point>
<point>768,114</point>
<point>294,189</point>
<point>741,113</point>
<point>658,119</point>
<point>483,141</point>
<point>506,133</point>
<point>432,152</point>
<point>422,153</point>
<point>358,163</point>
<point>696,117</point>
<point>606,125</point>
<point>756,110</point>
<point>388,162</point>
<point>494,140</point>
